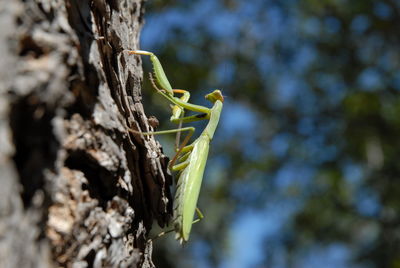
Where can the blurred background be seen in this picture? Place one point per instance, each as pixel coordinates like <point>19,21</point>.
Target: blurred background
<point>304,168</point>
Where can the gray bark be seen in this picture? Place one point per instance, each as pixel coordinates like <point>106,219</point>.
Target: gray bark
<point>77,188</point>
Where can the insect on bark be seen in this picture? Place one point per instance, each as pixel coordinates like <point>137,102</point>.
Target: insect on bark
<point>190,159</point>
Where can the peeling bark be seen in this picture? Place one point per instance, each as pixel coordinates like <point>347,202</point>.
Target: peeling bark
<point>78,189</point>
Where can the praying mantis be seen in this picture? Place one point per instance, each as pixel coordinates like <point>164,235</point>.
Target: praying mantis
<point>189,160</point>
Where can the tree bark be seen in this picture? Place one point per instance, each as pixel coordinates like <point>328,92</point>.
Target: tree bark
<point>77,188</point>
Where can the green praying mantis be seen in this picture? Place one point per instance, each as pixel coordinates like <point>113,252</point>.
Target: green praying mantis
<point>189,160</point>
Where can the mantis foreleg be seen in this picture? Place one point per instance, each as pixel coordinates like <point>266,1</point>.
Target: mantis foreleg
<point>162,79</point>
<point>181,103</point>
<point>177,111</point>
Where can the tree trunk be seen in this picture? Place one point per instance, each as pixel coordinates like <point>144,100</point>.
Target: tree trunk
<point>77,188</point>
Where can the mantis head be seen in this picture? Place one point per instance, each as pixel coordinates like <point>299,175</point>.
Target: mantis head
<point>215,95</point>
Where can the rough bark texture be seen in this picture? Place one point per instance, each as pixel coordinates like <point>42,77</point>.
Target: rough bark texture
<point>77,188</point>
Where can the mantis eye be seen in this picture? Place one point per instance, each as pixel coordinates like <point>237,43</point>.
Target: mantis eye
<point>215,95</point>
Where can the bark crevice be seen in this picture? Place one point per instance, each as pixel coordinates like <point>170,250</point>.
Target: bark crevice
<point>80,188</point>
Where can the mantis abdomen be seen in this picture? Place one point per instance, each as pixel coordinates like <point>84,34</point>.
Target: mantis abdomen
<point>188,187</point>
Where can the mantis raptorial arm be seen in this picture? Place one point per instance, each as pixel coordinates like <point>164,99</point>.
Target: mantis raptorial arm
<point>166,88</point>
<point>177,111</point>
<point>158,70</point>
<point>162,80</point>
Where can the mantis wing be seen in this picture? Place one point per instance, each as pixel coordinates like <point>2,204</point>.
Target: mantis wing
<point>188,188</point>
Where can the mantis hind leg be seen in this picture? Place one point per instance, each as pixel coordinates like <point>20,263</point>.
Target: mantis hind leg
<point>199,215</point>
